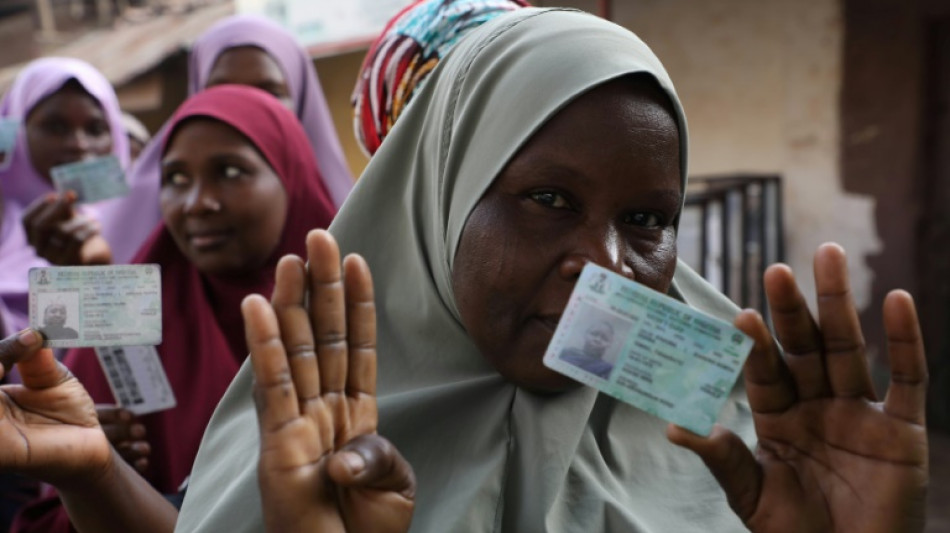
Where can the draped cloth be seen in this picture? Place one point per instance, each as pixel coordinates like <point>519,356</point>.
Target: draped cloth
<point>305,90</point>
<point>200,312</point>
<point>488,456</point>
<point>21,183</point>
<point>408,49</point>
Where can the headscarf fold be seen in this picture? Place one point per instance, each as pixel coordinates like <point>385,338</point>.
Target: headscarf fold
<point>21,184</point>
<point>409,48</point>
<point>203,344</point>
<point>488,456</point>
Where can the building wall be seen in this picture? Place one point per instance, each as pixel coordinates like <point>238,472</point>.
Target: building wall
<point>760,81</point>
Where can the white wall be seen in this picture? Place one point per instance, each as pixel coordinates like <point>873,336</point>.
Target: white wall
<point>760,81</point>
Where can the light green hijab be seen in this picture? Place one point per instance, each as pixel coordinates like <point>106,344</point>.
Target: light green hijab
<point>488,456</point>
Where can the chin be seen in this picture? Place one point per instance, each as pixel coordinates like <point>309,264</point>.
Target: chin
<point>539,379</point>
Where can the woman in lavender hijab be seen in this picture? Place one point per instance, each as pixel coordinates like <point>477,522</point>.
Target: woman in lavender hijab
<point>67,111</point>
<point>251,50</point>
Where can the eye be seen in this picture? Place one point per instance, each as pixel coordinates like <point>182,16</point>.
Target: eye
<point>97,128</point>
<point>231,172</point>
<point>643,220</point>
<point>550,199</point>
<point>55,127</point>
<point>175,179</point>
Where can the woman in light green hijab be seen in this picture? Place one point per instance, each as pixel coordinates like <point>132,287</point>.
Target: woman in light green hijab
<point>545,140</point>
<point>456,215</point>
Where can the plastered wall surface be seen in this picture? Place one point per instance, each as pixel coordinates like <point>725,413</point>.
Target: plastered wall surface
<point>760,81</point>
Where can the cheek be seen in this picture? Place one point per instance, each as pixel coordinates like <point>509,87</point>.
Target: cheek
<point>102,144</point>
<point>264,218</point>
<point>655,266</point>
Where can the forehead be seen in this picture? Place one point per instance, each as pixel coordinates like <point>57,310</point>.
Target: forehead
<point>620,135</point>
<point>245,65</point>
<point>71,97</point>
<point>212,133</point>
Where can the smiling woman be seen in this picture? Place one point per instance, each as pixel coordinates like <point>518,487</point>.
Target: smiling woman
<point>240,188</point>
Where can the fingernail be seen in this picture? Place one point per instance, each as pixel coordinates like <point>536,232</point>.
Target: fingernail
<point>137,431</point>
<point>125,416</point>
<point>28,337</point>
<point>354,462</point>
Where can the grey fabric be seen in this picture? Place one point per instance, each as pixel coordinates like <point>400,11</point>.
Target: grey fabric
<point>488,455</point>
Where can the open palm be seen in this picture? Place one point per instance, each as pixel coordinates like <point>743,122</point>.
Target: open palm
<point>48,425</point>
<point>313,350</point>
<point>829,457</point>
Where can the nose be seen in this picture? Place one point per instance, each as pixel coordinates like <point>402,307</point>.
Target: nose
<point>604,247</point>
<point>79,142</point>
<point>201,199</point>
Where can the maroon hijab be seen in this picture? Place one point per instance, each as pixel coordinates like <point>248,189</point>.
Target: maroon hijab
<point>203,334</point>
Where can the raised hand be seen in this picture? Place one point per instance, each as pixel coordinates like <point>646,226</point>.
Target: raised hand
<point>829,457</point>
<point>322,465</point>
<point>48,425</point>
<point>125,434</point>
<point>61,235</point>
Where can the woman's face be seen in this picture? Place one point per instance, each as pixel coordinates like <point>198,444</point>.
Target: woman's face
<point>598,182</point>
<point>66,126</point>
<point>221,201</point>
<point>249,65</point>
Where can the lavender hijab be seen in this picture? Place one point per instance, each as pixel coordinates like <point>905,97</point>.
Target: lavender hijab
<point>21,183</point>
<point>305,90</point>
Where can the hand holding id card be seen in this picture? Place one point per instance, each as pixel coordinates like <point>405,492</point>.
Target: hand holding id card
<point>92,180</point>
<point>647,349</point>
<point>110,305</point>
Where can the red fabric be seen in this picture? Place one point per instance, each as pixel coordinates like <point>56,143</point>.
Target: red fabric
<point>197,338</point>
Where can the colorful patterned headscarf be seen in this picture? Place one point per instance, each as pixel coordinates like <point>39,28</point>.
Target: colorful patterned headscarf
<point>405,53</point>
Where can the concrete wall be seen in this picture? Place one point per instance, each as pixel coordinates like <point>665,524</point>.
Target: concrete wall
<point>760,81</point>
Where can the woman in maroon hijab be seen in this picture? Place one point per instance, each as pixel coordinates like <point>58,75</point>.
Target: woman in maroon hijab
<point>240,189</point>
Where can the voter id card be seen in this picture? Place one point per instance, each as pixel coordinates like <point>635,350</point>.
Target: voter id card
<point>137,378</point>
<point>647,349</point>
<point>8,131</point>
<point>92,180</point>
<point>109,305</point>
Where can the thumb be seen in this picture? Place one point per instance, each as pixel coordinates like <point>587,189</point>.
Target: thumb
<point>372,462</point>
<point>18,347</point>
<point>731,463</point>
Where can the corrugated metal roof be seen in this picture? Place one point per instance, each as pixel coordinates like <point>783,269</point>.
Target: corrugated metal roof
<point>129,49</point>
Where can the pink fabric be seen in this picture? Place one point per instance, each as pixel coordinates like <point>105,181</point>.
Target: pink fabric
<point>203,344</point>
<point>20,183</point>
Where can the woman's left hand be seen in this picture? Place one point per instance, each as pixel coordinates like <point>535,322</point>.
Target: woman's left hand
<point>830,457</point>
<point>61,235</point>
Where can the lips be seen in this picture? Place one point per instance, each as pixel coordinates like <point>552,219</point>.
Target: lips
<point>208,239</point>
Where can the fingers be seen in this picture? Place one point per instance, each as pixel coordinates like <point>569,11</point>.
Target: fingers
<point>906,395</point>
<point>38,367</point>
<point>43,215</point>
<point>274,393</point>
<point>118,424</point>
<point>294,321</point>
<point>327,310</point>
<point>372,462</point>
<point>361,325</point>
<point>797,332</point>
<point>841,334</point>
<point>731,463</point>
<point>19,347</point>
<point>768,384</point>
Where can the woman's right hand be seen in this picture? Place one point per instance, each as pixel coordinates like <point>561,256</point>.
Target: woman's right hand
<point>61,235</point>
<point>48,425</point>
<point>322,465</point>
